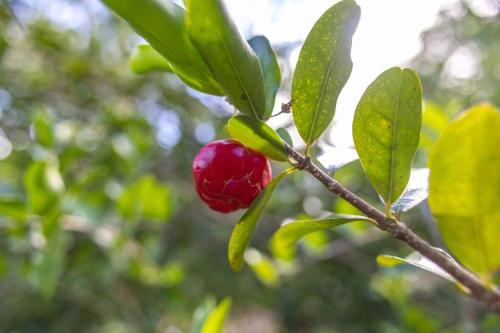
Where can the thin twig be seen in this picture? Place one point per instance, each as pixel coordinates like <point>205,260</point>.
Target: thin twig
<point>485,294</point>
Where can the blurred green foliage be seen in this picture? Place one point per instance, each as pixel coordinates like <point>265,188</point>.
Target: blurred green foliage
<point>101,231</point>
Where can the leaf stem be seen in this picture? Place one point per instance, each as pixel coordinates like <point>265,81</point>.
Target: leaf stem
<point>488,295</point>
<point>388,208</point>
<point>306,150</point>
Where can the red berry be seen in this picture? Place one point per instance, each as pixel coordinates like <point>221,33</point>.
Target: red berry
<point>228,176</point>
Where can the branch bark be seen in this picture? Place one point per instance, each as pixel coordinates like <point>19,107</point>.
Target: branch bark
<point>490,297</point>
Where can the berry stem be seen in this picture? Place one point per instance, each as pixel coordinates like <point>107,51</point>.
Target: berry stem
<point>486,294</point>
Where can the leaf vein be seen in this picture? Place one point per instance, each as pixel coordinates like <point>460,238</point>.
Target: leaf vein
<point>481,251</point>
<point>323,86</point>
<point>394,138</point>
<point>231,61</point>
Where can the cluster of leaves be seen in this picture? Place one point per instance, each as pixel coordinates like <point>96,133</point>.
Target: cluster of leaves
<point>386,127</point>
<point>86,192</point>
<point>101,254</point>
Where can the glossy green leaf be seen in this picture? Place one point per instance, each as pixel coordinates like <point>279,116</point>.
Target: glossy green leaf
<point>464,188</point>
<point>145,59</point>
<point>386,130</point>
<point>323,68</point>
<point>285,136</point>
<point>146,198</point>
<point>283,241</point>
<point>215,320</point>
<point>263,267</point>
<point>270,69</point>
<point>243,231</point>
<point>162,24</point>
<point>230,58</point>
<point>255,134</point>
<point>417,260</point>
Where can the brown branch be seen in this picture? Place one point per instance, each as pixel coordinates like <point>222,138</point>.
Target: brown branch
<point>490,297</point>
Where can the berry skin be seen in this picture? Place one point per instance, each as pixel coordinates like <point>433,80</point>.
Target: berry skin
<point>228,176</point>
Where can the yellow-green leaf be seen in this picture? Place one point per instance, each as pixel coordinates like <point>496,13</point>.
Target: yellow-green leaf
<point>323,68</point>
<point>464,188</point>
<point>145,59</point>
<point>243,231</point>
<point>201,314</point>
<point>434,121</point>
<point>255,134</point>
<point>386,130</point>
<point>13,207</point>
<point>283,241</point>
<point>229,57</point>
<point>215,320</point>
<point>146,198</point>
<point>162,24</point>
<point>263,267</point>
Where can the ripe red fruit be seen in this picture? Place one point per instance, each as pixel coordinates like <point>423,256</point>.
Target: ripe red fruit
<point>228,176</point>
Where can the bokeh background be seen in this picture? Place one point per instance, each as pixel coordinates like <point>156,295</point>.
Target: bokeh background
<point>101,230</point>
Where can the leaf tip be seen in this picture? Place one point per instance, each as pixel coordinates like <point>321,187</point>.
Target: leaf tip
<point>386,260</point>
<point>235,264</point>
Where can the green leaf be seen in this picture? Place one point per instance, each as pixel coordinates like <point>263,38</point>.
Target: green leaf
<point>263,267</point>
<point>162,24</point>
<point>464,187</point>
<point>255,134</point>
<point>283,240</point>
<point>417,260</point>
<point>315,243</point>
<point>43,185</point>
<point>270,69</point>
<point>3,44</point>
<point>285,136</point>
<point>49,263</point>
<point>145,59</point>
<point>43,128</point>
<point>146,198</point>
<point>230,58</point>
<point>242,232</point>
<point>216,318</point>
<point>13,207</point>
<point>386,130</point>
<point>323,68</point>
